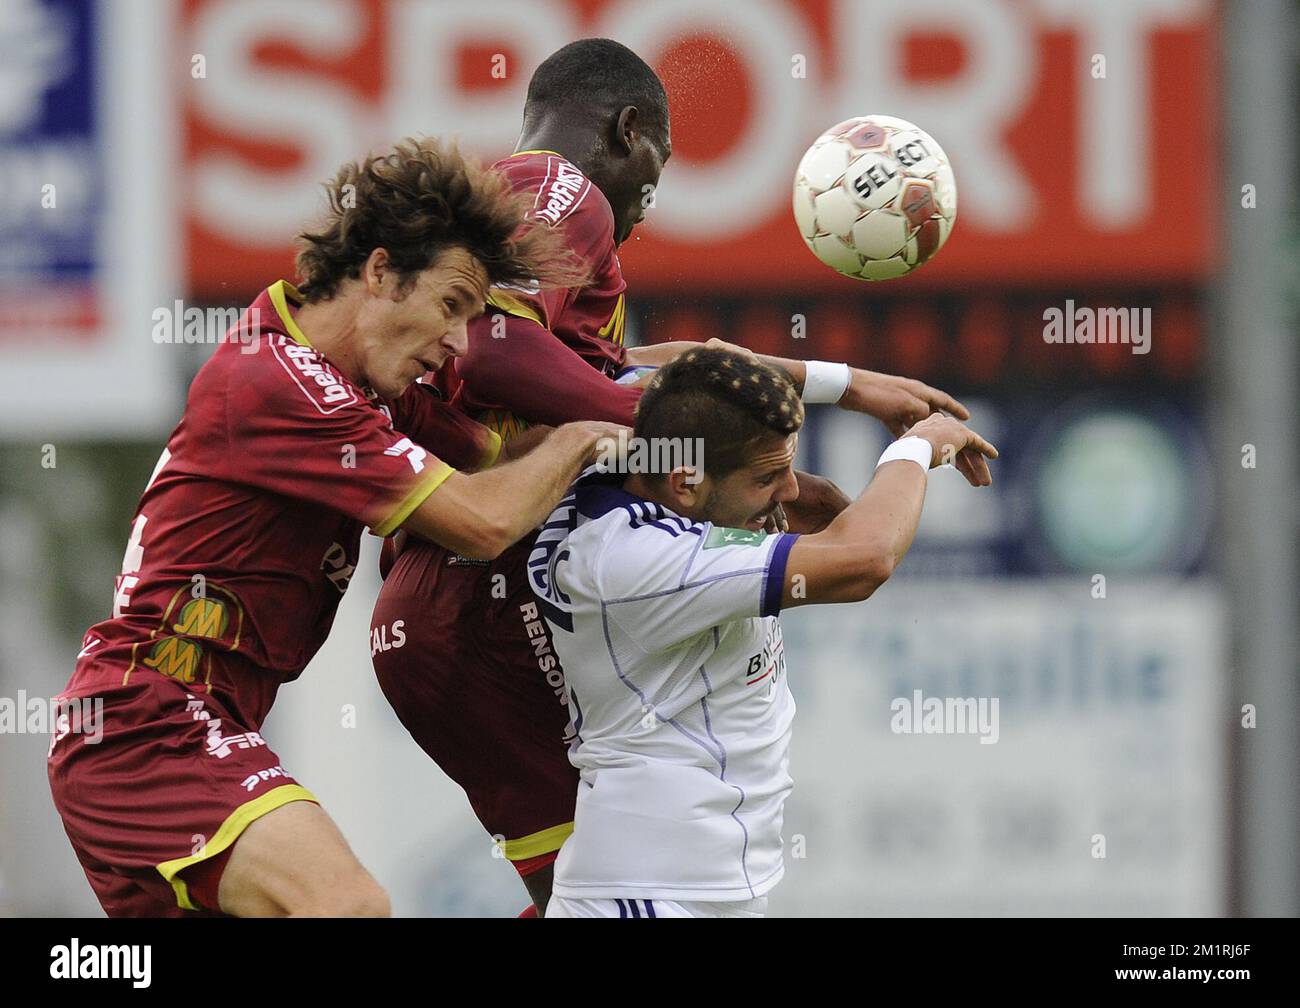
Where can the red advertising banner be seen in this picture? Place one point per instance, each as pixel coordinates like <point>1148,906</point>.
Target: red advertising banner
<point>1084,137</point>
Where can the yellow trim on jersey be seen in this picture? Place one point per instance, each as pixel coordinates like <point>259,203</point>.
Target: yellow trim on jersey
<point>278,292</point>
<point>414,499</point>
<point>537,844</point>
<point>521,153</point>
<point>511,305</point>
<point>493,450</point>
<point>230,831</point>
<point>613,329</point>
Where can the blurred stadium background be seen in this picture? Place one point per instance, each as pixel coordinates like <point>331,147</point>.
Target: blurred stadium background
<point>1129,153</point>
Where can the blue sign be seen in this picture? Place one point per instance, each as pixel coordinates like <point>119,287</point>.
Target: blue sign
<point>51,206</point>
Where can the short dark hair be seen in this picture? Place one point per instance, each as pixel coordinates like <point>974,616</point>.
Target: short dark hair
<point>418,200</point>
<point>596,73</point>
<point>727,399</point>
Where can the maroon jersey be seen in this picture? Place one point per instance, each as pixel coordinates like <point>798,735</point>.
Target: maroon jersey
<point>248,532</point>
<point>477,683</point>
<point>589,320</point>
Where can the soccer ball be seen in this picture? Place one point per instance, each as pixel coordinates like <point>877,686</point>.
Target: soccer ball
<point>874,197</point>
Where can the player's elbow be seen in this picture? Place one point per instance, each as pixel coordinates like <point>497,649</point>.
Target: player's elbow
<point>874,569</point>
<point>847,570</point>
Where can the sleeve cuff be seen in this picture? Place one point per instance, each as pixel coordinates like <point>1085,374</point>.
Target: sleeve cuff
<point>774,579</point>
<point>413,500</point>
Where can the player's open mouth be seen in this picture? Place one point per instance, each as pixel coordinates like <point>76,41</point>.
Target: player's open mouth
<point>426,365</point>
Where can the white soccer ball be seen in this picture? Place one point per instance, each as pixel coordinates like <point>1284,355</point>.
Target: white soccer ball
<point>875,197</point>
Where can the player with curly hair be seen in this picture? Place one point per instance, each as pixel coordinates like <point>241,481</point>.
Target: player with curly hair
<point>303,428</point>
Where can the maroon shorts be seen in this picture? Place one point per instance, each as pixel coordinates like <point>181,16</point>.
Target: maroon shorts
<point>466,661</point>
<point>155,786</point>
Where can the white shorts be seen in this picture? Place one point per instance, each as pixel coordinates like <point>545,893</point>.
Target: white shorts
<point>561,907</point>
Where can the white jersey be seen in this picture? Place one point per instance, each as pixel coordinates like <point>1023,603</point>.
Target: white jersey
<point>675,669</point>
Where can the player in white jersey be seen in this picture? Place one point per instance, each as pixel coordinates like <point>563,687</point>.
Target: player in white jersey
<point>662,592</point>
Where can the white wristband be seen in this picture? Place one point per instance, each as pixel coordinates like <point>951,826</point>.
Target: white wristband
<point>913,449</point>
<point>824,382</point>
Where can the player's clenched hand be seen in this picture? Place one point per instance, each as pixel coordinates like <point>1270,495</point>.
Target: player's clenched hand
<point>818,503</point>
<point>776,521</point>
<point>896,402</point>
<point>951,441</point>
<point>602,438</point>
<point>525,441</point>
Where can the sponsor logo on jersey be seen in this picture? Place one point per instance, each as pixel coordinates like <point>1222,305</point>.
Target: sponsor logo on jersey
<point>561,193</point>
<point>218,745</point>
<point>768,666</point>
<point>548,663</point>
<point>613,329</point>
<point>506,424</point>
<point>415,455</point>
<point>252,780</point>
<point>387,638</point>
<point>543,561</point>
<point>178,657</point>
<point>319,382</point>
<point>338,567</point>
<point>719,537</point>
<point>202,617</point>
<point>175,657</point>
<point>221,746</point>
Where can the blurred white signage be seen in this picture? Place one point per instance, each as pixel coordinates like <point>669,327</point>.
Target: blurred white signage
<point>1103,794</point>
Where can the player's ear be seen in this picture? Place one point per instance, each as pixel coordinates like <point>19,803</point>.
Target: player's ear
<point>377,274</point>
<point>625,129</point>
<point>684,485</point>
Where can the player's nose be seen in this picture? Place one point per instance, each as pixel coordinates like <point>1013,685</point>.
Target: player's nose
<point>456,339</point>
<point>789,488</point>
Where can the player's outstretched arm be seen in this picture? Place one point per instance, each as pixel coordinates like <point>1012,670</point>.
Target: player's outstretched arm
<point>532,373</point>
<point>858,551</point>
<point>895,401</point>
<point>658,354</point>
<point>481,514</point>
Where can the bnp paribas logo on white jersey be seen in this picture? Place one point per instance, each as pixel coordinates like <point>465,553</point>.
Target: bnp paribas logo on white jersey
<point>719,537</point>
<point>923,715</point>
